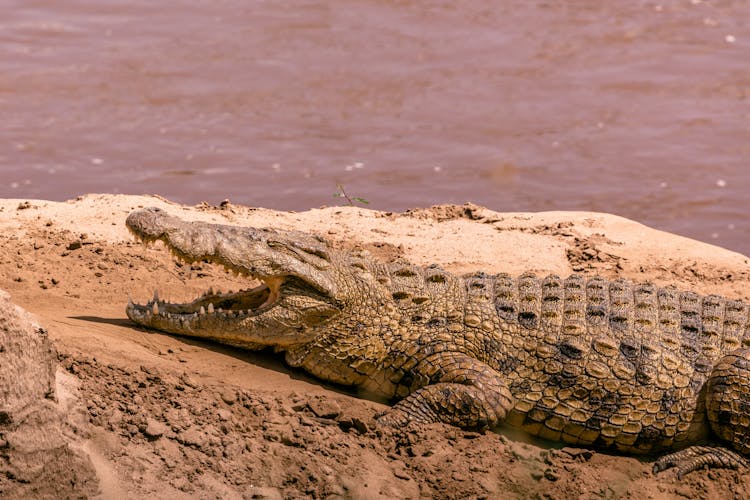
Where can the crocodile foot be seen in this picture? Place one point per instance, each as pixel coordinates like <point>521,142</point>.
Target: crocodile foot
<point>696,457</point>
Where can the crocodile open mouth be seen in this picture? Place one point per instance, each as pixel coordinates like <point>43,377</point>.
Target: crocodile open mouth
<point>293,296</point>
<point>246,302</point>
<point>239,304</point>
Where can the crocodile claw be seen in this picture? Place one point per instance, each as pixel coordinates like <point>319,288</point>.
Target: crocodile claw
<point>697,457</point>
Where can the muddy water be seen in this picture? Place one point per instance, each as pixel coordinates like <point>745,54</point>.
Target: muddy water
<point>636,108</point>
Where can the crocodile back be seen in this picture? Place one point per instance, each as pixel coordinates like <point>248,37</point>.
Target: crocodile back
<point>641,324</point>
<point>589,361</point>
<point>613,363</point>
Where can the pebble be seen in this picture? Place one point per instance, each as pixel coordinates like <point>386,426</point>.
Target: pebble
<point>324,408</point>
<point>551,475</point>
<point>359,425</point>
<point>193,437</point>
<point>115,417</point>
<point>264,493</point>
<point>399,470</point>
<point>153,429</point>
<point>577,452</point>
<point>229,396</point>
<point>187,380</point>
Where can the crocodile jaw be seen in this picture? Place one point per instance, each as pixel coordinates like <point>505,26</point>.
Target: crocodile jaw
<point>283,311</point>
<point>267,315</point>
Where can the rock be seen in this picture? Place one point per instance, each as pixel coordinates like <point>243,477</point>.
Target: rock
<point>399,470</point>
<point>264,493</point>
<point>459,476</point>
<point>193,437</point>
<point>229,396</point>
<point>324,408</point>
<point>170,452</point>
<point>153,430</point>
<point>580,453</point>
<point>182,484</point>
<point>551,475</point>
<point>359,425</point>
<point>186,379</point>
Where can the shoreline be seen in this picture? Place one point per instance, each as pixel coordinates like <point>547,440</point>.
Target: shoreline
<point>73,264</point>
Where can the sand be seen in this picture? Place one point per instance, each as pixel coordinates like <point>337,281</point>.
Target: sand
<point>174,417</point>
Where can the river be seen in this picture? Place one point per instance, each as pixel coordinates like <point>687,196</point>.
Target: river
<point>637,108</point>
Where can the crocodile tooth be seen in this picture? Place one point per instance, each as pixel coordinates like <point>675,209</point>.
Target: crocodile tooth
<point>220,310</point>
<point>202,311</point>
<point>210,291</point>
<point>156,296</point>
<point>274,285</point>
<point>155,308</point>
<point>210,308</point>
<point>218,291</point>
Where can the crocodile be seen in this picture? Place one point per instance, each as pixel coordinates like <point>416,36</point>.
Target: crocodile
<point>608,364</point>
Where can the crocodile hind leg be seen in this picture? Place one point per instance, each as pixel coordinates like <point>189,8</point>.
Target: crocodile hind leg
<point>461,391</point>
<point>728,407</point>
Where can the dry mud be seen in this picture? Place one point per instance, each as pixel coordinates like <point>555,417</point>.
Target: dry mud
<point>164,416</point>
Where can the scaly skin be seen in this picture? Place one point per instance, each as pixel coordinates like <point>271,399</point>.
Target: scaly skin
<point>590,362</point>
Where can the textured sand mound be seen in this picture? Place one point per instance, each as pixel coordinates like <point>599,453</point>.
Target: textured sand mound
<point>36,458</point>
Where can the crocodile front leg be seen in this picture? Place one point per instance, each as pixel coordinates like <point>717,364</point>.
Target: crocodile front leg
<point>462,391</point>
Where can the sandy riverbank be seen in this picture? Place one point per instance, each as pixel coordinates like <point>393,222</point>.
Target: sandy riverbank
<point>179,418</point>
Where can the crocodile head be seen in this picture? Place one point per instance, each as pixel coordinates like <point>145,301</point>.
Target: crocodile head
<point>297,294</point>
